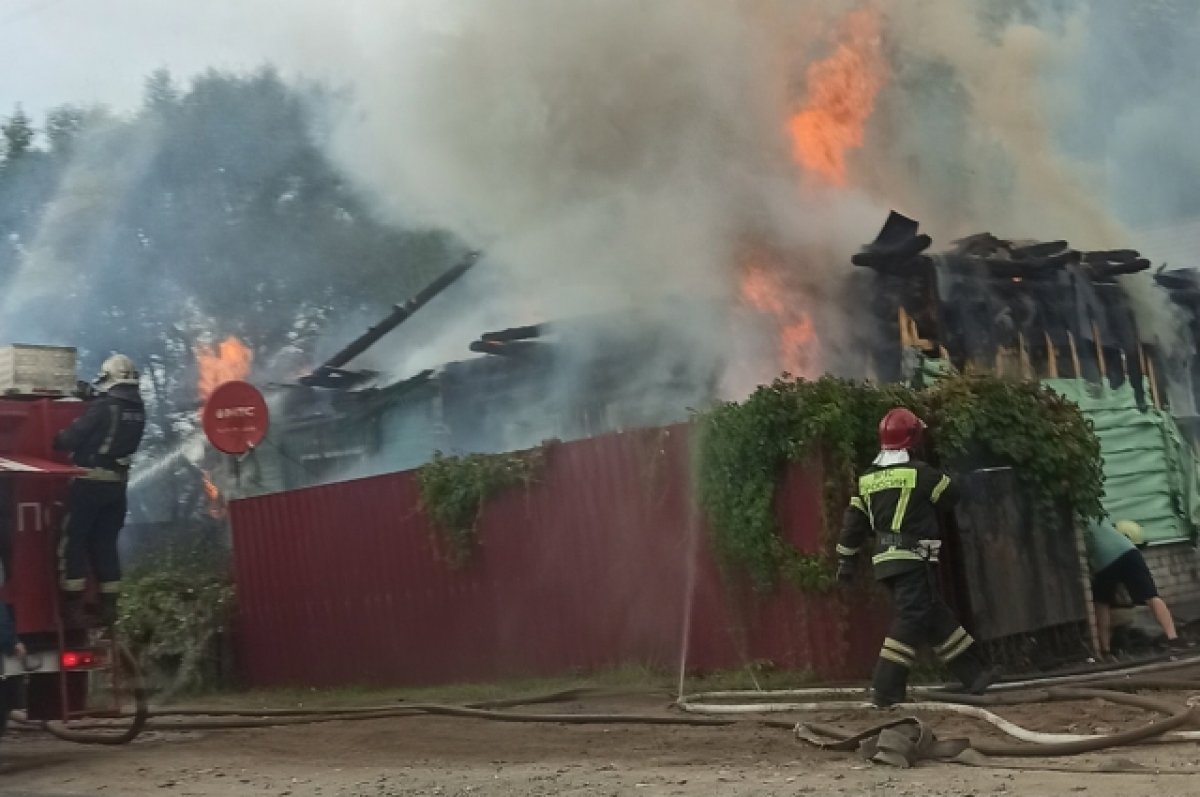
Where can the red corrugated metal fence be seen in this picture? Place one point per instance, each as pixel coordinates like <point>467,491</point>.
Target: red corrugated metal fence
<point>598,565</point>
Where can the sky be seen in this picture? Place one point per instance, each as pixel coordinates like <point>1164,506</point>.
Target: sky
<point>100,51</point>
<point>90,51</point>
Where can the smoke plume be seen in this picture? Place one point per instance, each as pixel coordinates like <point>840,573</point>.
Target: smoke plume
<point>611,156</point>
<point>607,156</point>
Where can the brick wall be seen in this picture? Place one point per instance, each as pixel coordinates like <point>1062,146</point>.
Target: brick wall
<point>1176,569</point>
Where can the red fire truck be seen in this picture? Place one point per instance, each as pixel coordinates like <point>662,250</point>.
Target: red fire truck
<point>68,678</point>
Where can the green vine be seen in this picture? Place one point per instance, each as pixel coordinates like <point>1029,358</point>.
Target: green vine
<point>454,490</point>
<point>974,421</point>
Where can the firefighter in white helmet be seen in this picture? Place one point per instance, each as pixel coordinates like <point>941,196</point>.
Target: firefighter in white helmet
<point>102,441</point>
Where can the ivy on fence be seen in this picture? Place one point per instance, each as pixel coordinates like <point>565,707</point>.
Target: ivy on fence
<point>974,421</point>
<point>455,489</point>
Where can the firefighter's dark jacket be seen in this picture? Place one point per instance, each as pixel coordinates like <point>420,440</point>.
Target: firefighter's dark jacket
<point>900,505</point>
<point>105,437</point>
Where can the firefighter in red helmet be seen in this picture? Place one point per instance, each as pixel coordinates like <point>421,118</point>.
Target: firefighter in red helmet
<point>900,500</point>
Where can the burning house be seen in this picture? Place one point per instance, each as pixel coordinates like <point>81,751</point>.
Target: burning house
<point>564,380</point>
<point>1032,310</point>
<point>1046,311</point>
<point>1028,310</point>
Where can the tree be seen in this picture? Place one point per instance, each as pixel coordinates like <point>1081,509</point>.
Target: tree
<point>160,94</point>
<point>65,123</point>
<point>18,135</point>
<point>211,211</point>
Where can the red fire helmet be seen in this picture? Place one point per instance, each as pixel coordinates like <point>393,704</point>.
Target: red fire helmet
<point>900,430</point>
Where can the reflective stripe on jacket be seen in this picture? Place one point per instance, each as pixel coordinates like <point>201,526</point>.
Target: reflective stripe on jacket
<point>900,505</point>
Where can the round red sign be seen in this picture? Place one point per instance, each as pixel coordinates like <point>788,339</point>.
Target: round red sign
<point>235,417</point>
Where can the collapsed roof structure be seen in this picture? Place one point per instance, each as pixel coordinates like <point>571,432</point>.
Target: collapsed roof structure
<point>567,379</point>
<point>1021,308</point>
<point>1046,311</point>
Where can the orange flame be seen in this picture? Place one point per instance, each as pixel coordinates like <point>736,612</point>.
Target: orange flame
<point>215,507</point>
<point>841,98</point>
<point>228,360</point>
<point>762,289</point>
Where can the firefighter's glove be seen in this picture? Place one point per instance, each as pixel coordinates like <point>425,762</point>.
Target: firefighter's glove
<point>845,571</point>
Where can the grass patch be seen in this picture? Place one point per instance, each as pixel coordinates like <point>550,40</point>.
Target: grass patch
<point>631,677</point>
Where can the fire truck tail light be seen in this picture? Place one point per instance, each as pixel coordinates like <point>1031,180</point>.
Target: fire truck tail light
<point>76,659</point>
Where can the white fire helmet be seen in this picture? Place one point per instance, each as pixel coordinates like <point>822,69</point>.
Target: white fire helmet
<point>117,370</point>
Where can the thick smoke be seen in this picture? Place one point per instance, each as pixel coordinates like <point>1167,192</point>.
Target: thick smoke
<point>607,156</point>
<point>611,155</point>
<point>965,132</point>
<point>1045,120</point>
<point>52,296</point>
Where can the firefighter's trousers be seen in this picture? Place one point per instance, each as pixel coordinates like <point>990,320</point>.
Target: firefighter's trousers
<point>922,618</point>
<point>95,515</point>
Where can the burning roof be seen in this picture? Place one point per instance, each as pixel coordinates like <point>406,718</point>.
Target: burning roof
<point>1026,308</point>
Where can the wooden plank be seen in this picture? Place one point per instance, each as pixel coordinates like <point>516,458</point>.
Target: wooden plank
<point>1022,569</point>
<point>1099,352</point>
<point>1154,384</point>
<point>902,318</point>
<point>1074,355</point>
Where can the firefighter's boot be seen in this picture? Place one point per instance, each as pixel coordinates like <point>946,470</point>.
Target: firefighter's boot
<point>70,606</point>
<point>108,610</point>
<point>890,685</point>
<point>974,673</point>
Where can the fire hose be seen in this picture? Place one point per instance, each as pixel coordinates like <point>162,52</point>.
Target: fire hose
<point>904,751</point>
<point>1104,686</point>
<point>109,735</point>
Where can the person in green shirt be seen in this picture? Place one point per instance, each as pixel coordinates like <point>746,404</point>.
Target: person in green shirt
<point>1115,561</point>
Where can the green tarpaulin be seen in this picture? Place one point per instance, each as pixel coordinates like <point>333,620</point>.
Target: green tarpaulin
<point>1150,472</point>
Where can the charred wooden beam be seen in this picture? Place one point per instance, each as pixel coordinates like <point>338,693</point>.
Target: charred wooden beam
<point>1112,256</point>
<point>896,249</point>
<point>400,313</point>
<point>515,333</point>
<point>1186,297</point>
<point>1106,271</point>
<point>892,266</point>
<point>1020,269</point>
<point>1038,251</point>
<point>337,378</point>
<point>1178,279</point>
<point>516,348</point>
<point>983,243</point>
<point>898,234</point>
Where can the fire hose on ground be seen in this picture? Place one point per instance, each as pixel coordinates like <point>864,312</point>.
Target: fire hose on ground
<point>109,735</point>
<point>901,741</point>
<point>905,749</point>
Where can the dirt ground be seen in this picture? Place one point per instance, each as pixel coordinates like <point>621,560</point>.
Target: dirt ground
<point>451,756</point>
